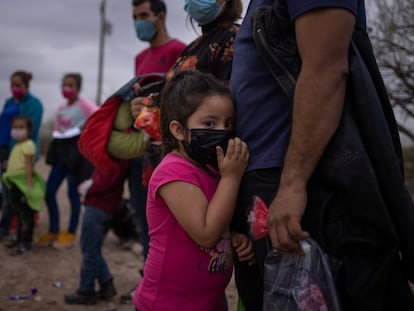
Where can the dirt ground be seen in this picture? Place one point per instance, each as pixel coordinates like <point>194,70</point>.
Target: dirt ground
<point>56,272</point>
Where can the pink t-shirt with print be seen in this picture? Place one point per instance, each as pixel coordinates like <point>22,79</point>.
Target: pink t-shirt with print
<point>178,273</point>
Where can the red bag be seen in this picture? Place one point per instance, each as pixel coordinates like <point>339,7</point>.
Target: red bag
<point>95,134</point>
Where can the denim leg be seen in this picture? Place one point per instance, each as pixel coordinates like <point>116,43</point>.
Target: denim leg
<point>138,199</point>
<point>56,177</point>
<point>94,266</point>
<point>75,202</point>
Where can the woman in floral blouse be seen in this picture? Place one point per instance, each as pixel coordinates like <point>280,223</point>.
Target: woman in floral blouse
<point>212,51</point>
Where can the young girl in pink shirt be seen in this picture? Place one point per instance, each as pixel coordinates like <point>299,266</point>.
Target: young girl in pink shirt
<point>191,198</point>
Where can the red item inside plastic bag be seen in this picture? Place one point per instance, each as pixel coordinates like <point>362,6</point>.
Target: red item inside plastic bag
<point>149,118</point>
<point>257,218</point>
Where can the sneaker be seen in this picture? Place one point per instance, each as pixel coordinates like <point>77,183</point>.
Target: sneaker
<point>64,239</point>
<point>81,298</point>
<point>107,290</point>
<point>21,248</point>
<point>46,239</point>
<point>11,243</point>
<point>3,233</point>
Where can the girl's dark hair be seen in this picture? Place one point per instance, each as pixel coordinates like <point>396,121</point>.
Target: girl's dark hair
<point>24,76</point>
<point>29,122</point>
<point>157,6</point>
<point>181,97</point>
<point>75,76</point>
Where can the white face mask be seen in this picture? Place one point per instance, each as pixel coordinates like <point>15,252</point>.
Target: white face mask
<point>18,134</point>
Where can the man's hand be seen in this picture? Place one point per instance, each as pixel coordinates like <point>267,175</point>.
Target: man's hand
<point>283,220</point>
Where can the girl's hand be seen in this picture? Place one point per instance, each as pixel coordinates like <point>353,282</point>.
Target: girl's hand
<point>234,162</point>
<point>243,247</point>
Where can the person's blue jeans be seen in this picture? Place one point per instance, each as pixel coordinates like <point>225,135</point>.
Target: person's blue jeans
<point>138,199</point>
<point>56,177</point>
<point>94,227</point>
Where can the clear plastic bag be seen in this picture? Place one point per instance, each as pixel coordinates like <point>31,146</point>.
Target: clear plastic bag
<point>295,282</point>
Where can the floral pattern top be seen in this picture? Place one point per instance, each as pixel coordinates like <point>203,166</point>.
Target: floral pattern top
<point>212,52</point>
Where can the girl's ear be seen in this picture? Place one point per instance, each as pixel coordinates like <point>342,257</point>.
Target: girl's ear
<point>177,130</point>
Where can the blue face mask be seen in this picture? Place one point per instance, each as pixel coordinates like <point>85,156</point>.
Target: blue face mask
<point>145,30</point>
<point>203,11</point>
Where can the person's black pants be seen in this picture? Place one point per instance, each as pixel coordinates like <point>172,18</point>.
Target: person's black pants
<point>6,209</point>
<point>25,216</point>
<point>249,279</point>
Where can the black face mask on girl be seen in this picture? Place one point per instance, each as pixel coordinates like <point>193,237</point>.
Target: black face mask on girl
<point>202,146</point>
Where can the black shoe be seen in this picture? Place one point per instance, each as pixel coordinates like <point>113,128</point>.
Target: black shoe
<point>20,249</point>
<point>23,247</point>
<point>11,243</point>
<point>3,233</point>
<point>127,298</point>
<point>82,298</point>
<point>107,290</point>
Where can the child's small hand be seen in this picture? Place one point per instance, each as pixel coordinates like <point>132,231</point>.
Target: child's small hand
<point>234,162</point>
<point>136,105</point>
<point>243,247</point>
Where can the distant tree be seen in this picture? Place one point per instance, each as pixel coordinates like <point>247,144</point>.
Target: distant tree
<point>391,28</point>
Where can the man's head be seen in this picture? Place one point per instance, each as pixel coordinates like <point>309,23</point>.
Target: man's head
<point>149,17</point>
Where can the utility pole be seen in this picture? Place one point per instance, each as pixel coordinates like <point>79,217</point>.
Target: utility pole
<point>101,51</point>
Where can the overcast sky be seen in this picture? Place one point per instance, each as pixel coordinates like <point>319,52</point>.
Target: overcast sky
<point>52,37</point>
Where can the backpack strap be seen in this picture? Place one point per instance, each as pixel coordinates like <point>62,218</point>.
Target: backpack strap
<point>274,35</point>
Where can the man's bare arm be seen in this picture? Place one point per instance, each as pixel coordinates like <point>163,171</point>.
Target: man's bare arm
<point>323,38</point>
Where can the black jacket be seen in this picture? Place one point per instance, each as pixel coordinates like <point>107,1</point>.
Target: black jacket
<point>359,209</point>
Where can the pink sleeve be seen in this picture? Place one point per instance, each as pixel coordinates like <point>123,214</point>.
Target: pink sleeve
<point>87,107</point>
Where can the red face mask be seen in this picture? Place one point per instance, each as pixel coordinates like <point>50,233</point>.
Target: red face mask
<point>68,92</point>
<point>17,92</point>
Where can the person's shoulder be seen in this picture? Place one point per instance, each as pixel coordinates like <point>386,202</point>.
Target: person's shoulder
<point>8,101</point>
<point>34,100</point>
<point>172,160</point>
<point>30,143</point>
<point>142,53</point>
<point>221,32</point>
<point>178,43</point>
<point>87,101</point>
<point>28,146</point>
<point>173,165</point>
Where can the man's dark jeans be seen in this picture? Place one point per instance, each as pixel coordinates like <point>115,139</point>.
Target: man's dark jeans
<point>249,279</point>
